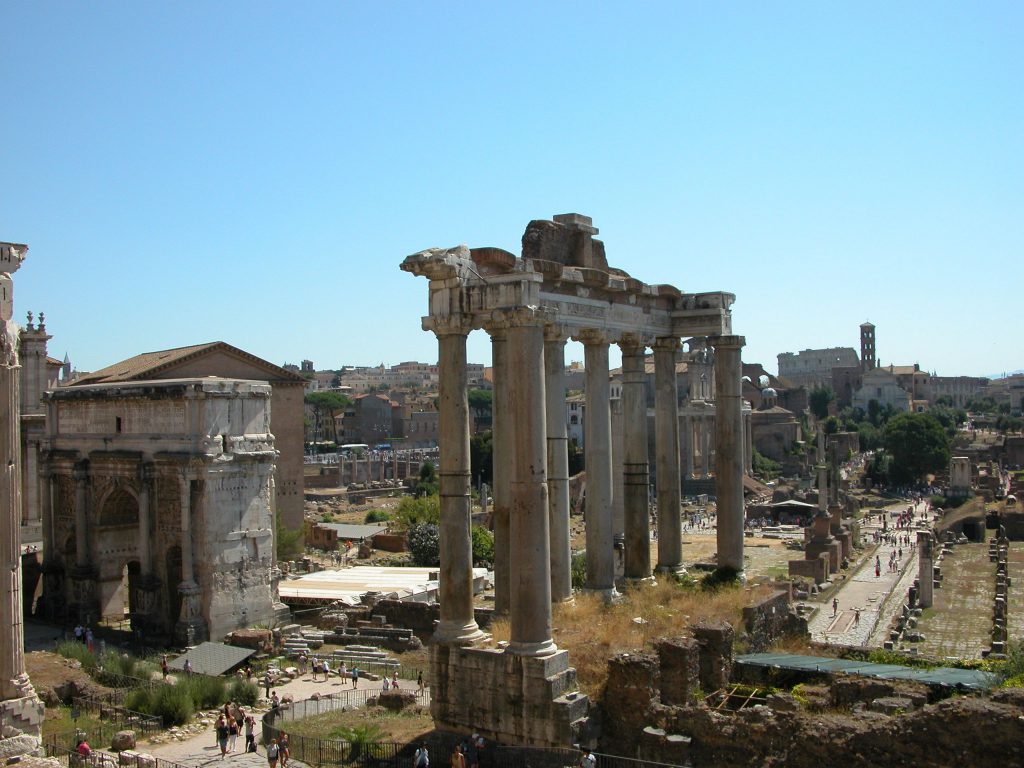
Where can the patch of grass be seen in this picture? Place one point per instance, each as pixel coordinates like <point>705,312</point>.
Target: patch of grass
<point>373,724</point>
<point>59,720</point>
<point>71,649</point>
<point>204,691</point>
<point>593,631</point>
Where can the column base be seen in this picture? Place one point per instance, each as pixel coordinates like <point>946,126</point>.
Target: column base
<point>608,594</point>
<point>671,570</point>
<point>458,633</point>
<point>640,581</point>
<point>545,648</point>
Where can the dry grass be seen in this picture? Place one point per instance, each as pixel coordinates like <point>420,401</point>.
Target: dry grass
<point>593,632</point>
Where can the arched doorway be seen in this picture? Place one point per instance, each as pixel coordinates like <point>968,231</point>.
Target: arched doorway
<point>116,548</point>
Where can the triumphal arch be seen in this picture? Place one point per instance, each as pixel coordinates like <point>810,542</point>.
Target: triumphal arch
<point>560,288</point>
<point>157,504</point>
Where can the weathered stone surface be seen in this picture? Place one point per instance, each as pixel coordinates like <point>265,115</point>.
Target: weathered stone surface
<point>679,661</point>
<point>18,745</point>
<point>715,654</point>
<point>633,683</point>
<point>123,740</point>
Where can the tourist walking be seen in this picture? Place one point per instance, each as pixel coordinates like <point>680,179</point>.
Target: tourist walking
<point>458,760</point>
<point>266,684</point>
<point>355,678</point>
<point>232,733</point>
<point>422,757</point>
<point>250,734</point>
<point>835,606</point>
<point>222,735</point>
<point>272,752</point>
<point>419,681</point>
<point>587,760</point>
<point>283,752</point>
<point>163,666</point>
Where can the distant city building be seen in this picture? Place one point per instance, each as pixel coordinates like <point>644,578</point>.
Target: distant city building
<point>813,367</point>
<point>882,386</point>
<point>372,419</point>
<point>959,389</point>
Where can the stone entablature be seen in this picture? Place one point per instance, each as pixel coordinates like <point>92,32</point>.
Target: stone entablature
<point>171,480</point>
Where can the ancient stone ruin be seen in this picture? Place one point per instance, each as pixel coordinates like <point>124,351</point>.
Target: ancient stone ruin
<point>560,288</point>
<point>21,711</point>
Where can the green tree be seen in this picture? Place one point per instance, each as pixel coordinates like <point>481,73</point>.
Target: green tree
<point>831,425</point>
<point>481,453</point>
<point>480,402</point>
<point>483,546</point>
<point>417,511</point>
<point>427,483</point>
<point>765,467</point>
<point>918,445</point>
<point>819,399</point>
<point>326,406</point>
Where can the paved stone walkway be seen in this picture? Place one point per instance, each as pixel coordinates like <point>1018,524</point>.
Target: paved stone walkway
<point>1015,592</point>
<point>869,594</point>
<point>960,620</point>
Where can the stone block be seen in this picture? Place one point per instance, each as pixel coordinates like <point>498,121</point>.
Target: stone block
<point>715,654</point>
<point>679,659</point>
<point>891,705</point>
<point>123,740</point>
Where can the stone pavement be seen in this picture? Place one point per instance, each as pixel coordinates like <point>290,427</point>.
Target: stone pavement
<point>870,594</point>
<point>959,623</point>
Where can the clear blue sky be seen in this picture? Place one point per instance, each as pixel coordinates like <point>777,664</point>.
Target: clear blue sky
<point>255,172</point>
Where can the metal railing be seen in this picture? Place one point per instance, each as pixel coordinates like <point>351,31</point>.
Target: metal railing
<point>117,715</point>
<point>387,754</point>
<point>102,759</point>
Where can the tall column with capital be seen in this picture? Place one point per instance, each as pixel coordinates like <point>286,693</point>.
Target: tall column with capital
<point>558,463</point>
<point>530,572</point>
<point>21,712</point>
<point>687,446</point>
<point>501,426</point>
<point>666,443</point>
<point>729,451</point>
<point>598,461</point>
<point>636,470</point>
<point>457,625</point>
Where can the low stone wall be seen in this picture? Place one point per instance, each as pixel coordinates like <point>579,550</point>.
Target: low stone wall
<point>771,619</point>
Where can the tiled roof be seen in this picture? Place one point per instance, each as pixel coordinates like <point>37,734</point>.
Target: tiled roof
<point>149,363</point>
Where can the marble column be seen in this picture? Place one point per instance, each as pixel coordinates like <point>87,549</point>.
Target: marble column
<point>21,711</point>
<point>729,451</point>
<point>636,471</point>
<point>501,424</point>
<point>598,462</point>
<point>458,624</point>
<point>82,516</point>
<point>145,520</point>
<point>530,566</point>
<point>190,628</point>
<point>558,463</point>
<point>705,447</point>
<point>666,444</point>
<point>687,447</point>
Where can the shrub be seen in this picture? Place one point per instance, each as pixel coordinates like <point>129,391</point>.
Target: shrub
<point>377,516</point>
<point>71,649</point>
<point>173,705</point>
<point>243,692</point>
<point>720,577</point>
<point>205,692</point>
<point>425,544</point>
<point>578,570</point>
<point>483,545</point>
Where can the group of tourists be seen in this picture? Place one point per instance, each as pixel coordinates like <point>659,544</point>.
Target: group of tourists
<point>232,721</point>
<point>468,753</point>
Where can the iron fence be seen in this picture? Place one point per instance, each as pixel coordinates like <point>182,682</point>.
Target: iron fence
<point>117,715</point>
<point>384,754</point>
<point>69,758</point>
